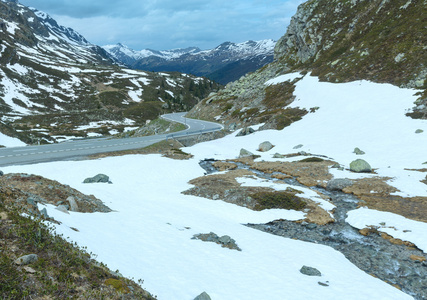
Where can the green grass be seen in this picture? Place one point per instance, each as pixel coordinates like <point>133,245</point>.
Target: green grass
<point>280,199</point>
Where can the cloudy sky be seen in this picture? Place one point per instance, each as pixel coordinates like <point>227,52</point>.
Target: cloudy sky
<point>169,24</point>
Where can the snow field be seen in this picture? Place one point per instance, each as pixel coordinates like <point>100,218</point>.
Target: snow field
<point>149,234</point>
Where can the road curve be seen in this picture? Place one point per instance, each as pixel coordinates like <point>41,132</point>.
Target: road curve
<point>81,148</point>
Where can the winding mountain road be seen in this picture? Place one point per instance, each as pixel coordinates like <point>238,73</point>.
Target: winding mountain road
<point>80,148</point>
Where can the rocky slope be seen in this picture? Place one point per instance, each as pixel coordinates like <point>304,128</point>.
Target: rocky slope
<point>226,62</point>
<point>339,41</point>
<point>55,84</point>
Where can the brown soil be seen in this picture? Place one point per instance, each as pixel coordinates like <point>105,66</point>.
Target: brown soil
<point>225,187</point>
<point>168,149</point>
<point>375,192</point>
<point>307,173</point>
<point>17,188</point>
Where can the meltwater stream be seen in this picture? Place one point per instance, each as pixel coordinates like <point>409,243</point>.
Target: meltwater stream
<point>372,254</point>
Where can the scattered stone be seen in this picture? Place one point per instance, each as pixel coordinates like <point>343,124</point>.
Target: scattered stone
<point>336,166</point>
<point>232,126</point>
<point>3,216</point>
<point>31,201</point>
<point>358,151</point>
<point>360,166</point>
<point>418,258</point>
<point>245,153</point>
<point>338,184</point>
<point>419,131</point>
<point>44,214</point>
<point>265,146</point>
<point>246,131</point>
<point>310,271</point>
<point>225,241</point>
<point>323,283</point>
<point>29,270</point>
<point>26,259</point>
<point>299,146</point>
<point>278,155</point>
<point>100,178</point>
<point>203,296</point>
<point>1,173</point>
<point>63,209</point>
<point>73,204</point>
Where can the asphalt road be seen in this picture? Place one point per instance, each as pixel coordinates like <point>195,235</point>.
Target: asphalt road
<point>80,148</point>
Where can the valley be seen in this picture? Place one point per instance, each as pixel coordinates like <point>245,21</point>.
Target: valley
<point>303,179</point>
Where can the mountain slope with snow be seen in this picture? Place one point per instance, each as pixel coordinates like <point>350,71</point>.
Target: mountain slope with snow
<point>151,228</point>
<point>52,80</point>
<point>251,54</point>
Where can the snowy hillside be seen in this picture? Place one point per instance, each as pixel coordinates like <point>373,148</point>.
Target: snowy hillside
<point>53,82</point>
<point>149,234</point>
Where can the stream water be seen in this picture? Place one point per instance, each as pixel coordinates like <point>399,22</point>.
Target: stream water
<point>372,254</point>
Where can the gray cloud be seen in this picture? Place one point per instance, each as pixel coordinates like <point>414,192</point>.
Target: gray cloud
<point>166,24</point>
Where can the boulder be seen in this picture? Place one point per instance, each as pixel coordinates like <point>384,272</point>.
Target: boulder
<point>44,214</point>
<point>360,166</point>
<point>310,271</point>
<point>63,208</point>
<point>98,178</point>
<point>338,184</point>
<point>358,151</point>
<point>245,153</point>
<point>245,131</point>
<point>299,146</point>
<point>419,131</point>
<point>26,259</point>
<point>278,155</point>
<point>1,173</point>
<point>265,146</point>
<point>73,204</point>
<point>203,296</point>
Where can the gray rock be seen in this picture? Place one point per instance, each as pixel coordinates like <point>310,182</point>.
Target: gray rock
<point>299,146</point>
<point>203,296</point>
<point>336,166</point>
<point>338,184</point>
<point>1,173</point>
<point>44,214</point>
<point>26,259</point>
<point>63,208</point>
<point>32,201</point>
<point>245,131</point>
<point>245,153</point>
<point>419,131</point>
<point>73,204</point>
<point>225,239</point>
<point>232,126</point>
<point>278,155</point>
<point>309,271</point>
<point>358,151</point>
<point>98,178</point>
<point>360,166</point>
<point>265,146</point>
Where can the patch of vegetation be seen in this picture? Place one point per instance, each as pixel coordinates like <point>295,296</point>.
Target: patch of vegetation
<point>279,95</point>
<point>311,159</point>
<point>62,270</point>
<point>279,199</point>
<point>144,111</point>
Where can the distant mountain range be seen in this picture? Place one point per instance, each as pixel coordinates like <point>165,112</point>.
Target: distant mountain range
<point>225,63</point>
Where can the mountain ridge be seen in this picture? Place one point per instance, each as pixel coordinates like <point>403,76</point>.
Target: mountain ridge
<point>54,83</point>
<point>352,40</point>
<point>211,63</point>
